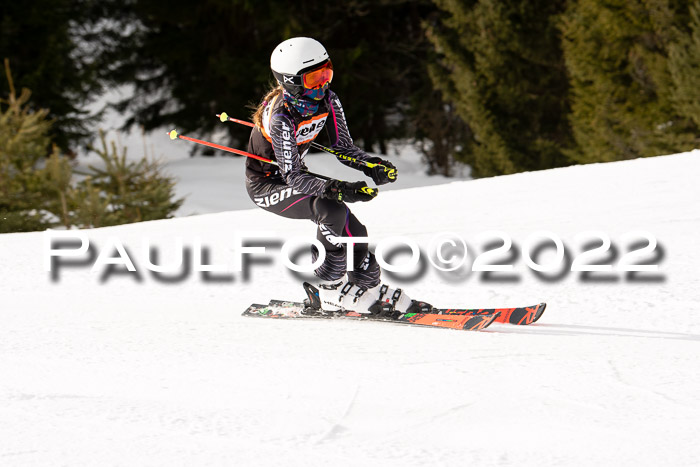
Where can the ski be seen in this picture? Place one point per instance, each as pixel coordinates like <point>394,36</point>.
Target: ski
<point>520,315</point>
<point>278,309</point>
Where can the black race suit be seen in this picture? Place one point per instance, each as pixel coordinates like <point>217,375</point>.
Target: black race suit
<point>285,137</point>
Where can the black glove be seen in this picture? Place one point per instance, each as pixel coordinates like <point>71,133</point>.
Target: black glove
<point>348,192</point>
<point>380,170</point>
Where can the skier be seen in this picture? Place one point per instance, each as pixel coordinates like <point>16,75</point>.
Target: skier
<point>288,119</point>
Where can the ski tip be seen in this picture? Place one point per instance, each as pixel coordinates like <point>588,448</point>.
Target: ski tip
<point>172,134</point>
<point>223,116</point>
<point>540,311</point>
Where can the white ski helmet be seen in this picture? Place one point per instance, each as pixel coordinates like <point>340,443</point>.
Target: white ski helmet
<point>300,64</point>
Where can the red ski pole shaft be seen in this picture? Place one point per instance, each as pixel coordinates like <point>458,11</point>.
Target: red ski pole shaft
<point>174,134</point>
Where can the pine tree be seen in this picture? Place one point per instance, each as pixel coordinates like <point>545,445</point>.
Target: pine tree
<point>53,48</point>
<point>23,144</point>
<point>37,192</point>
<point>124,191</point>
<point>617,57</point>
<point>684,66</point>
<point>503,69</point>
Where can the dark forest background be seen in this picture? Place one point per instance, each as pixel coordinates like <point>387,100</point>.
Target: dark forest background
<point>505,86</point>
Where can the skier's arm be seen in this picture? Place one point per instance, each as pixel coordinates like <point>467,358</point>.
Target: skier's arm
<point>341,139</point>
<point>344,144</point>
<point>289,159</point>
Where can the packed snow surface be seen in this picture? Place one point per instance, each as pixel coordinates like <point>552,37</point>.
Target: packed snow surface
<point>109,367</point>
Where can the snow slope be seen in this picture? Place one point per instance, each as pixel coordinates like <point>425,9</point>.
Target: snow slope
<point>134,369</point>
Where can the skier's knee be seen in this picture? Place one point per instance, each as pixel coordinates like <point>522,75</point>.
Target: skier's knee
<point>329,212</point>
<point>354,226</point>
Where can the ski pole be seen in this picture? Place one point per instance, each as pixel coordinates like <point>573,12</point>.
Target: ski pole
<point>175,135</point>
<point>391,173</point>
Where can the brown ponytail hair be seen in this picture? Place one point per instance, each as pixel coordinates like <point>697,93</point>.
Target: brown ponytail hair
<point>272,93</point>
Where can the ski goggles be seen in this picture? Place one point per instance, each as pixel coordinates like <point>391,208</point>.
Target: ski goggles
<point>319,77</point>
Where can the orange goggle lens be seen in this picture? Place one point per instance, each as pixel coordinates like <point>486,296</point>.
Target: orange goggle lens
<point>319,77</point>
